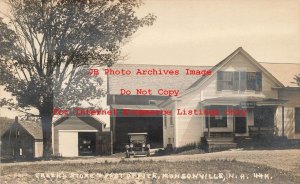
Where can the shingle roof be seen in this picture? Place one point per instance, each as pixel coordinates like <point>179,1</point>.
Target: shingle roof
<point>33,128</point>
<point>283,72</point>
<point>5,124</point>
<point>155,82</point>
<point>95,122</point>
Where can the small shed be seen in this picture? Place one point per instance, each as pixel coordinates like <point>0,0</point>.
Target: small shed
<point>80,136</point>
<point>22,139</point>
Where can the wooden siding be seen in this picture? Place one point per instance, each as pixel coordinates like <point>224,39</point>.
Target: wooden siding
<point>189,128</point>
<point>72,123</point>
<point>169,130</point>
<point>38,148</point>
<point>14,144</point>
<point>239,63</point>
<point>293,100</point>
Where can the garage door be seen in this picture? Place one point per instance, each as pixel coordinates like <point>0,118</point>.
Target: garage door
<point>68,143</point>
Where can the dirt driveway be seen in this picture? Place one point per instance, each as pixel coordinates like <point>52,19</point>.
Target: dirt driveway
<point>288,160</point>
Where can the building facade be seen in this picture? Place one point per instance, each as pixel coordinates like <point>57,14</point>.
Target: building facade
<point>240,97</point>
<point>22,139</point>
<point>80,136</point>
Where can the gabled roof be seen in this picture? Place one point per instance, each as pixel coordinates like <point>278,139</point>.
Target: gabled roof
<point>5,124</point>
<point>87,119</point>
<point>33,128</point>
<point>131,82</point>
<point>282,74</point>
<point>227,59</point>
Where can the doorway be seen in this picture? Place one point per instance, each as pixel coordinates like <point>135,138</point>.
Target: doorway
<point>240,125</point>
<point>86,143</point>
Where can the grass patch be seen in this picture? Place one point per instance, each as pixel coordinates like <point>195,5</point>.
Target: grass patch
<point>225,166</point>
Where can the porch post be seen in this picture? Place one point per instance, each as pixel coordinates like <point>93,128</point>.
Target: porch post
<point>208,126</point>
<point>233,124</point>
<point>282,107</point>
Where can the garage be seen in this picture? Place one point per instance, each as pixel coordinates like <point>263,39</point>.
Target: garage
<point>80,136</point>
<point>68,143</point>
<point>151,124</point>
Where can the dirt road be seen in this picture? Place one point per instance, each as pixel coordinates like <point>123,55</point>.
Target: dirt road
<point>288,160</point>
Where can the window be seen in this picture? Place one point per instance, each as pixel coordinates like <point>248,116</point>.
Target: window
<point>258,82</point>
<point>219,120</point>
<point>251,79</point>
<point>243,81</point>
<point>236,79</point>
<point>239,80</point>
<point>225,80</point>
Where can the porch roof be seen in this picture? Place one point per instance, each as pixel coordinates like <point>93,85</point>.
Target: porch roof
<point>259,101</point>
<point>135,107</point>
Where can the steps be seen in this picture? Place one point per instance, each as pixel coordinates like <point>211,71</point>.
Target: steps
<point>219,142</point>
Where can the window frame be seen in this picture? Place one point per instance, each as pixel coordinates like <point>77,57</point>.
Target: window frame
<point>217,118</point>
<point>239,81</point>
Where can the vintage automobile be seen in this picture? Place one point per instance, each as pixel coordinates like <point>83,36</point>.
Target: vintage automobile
<point>138,145</point>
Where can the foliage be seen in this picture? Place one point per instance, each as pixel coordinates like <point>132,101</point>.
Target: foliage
<point>47,45</point>
<point>297,79</point>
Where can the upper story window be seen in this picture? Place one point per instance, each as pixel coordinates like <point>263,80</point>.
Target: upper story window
<point>239,81</point>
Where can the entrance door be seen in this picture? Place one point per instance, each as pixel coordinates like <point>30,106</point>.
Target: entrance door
<point>68,143</point>
<point>240,125</point>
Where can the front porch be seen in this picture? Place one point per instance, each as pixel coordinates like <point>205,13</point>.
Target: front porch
<point>227,130</point>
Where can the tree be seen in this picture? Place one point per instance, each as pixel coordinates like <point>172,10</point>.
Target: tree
<point>297,79</point>
<point>47,44</point>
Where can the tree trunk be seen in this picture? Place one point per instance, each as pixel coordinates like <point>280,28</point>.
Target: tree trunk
<point>46,120</point>
<point>47,135</point>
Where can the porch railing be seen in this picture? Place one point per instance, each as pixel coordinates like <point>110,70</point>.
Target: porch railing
<point>258,131</point>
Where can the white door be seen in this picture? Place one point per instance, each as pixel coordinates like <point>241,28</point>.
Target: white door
<point>68,143</point>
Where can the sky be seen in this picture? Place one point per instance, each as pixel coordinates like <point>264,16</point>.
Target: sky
<point>203,32</point>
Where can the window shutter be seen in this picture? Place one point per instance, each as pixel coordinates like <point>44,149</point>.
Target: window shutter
<point>258,83</point>
<point>236,81</point>
<point>243,81</point>
<point>219,80</point>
